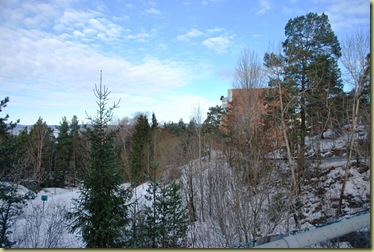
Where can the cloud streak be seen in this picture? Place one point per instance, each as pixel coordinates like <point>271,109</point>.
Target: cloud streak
<point>348,14</point>
<point>194,33</point>
<point>264,6</point>
<point>218,44</point>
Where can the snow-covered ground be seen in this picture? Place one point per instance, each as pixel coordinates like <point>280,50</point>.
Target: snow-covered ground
<point>42,225</point>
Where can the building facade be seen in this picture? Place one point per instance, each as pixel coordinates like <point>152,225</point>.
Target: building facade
<point>249,114</point>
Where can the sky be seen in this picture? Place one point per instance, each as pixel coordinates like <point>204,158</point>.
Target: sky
<point>170,57</point>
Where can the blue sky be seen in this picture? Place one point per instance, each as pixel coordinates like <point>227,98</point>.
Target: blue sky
<point>166,56</point>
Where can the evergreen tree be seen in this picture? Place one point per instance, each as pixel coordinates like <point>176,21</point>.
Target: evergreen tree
<point>214,118</point>
<point>11,202</point>
<point>139,152</point>
<point>8,145</point>
<point>151,225</point>
<point>154,133</point>
<point>211,126</point>
<point>100,212</point>
<point>311,75</point>
<point>154,122</point>
<point>63,152</point>
<point>135,239</point>
<point>166,217</point>
<point>367,82</point>
<point>175,128</point>
<point>77,149</point>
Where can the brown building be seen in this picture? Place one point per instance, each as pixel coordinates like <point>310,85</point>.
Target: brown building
<point>248,114</point>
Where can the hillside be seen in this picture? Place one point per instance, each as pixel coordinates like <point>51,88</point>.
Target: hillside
<point>231,210</point>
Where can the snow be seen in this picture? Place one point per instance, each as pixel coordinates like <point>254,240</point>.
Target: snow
<point>39,227</point>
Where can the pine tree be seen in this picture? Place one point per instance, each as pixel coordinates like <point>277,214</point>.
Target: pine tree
<point>311,75</point>
<point>100,212</point>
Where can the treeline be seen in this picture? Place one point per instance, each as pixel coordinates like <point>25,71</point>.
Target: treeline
<point>36,157</point>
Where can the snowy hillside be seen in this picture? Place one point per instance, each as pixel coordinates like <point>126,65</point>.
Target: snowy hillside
<point>230,212</point>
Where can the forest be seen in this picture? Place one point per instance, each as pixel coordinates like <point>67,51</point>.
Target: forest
<point>293,156</point>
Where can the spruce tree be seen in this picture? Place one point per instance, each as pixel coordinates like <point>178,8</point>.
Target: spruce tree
<point>8,145</point>
<point>77,150</point>
<point>63,153</point>
<point>151,225</point>
<point>140,144</point>
<point>154,122</point>
<point>166,215</point>
<point>11,202</point>
<point>100,212</point>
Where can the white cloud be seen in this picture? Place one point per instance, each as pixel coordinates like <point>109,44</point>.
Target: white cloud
<point>219,44</point>
<point>152,11</point>
<point>206,2</point>
<point>264,6</point>
<point>54,67</point>
<point>140,37</point>
<point>211,39</point>
<point>214,30</point>
<point>167,106</point>
<point>191,34</point>
<point>347,14</point>
<point>44,70</point>
<point>342,15</point>
<point>88,23</point>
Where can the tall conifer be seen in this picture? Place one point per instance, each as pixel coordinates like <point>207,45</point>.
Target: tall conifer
<point>140,149</point>
<point>100,213</point>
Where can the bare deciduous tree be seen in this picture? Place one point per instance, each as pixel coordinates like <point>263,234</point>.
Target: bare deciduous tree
<point>356,60</point>
<point>248,72</point>
<point>197,115</point>
<point>39,137</point>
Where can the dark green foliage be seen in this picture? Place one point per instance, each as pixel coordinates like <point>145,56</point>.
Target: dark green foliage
<point>175,128</point>
<point>12,203</point>
<point>214,115</point>
<point>139,152</point>
<point>135,238</point>
<point>311,78</point>
<point>70,153</point>
<point>9,148</point>
<point>63,152</point>
<point>4,127</point>
<point>166,217</point>
<point>100,213</point>
<point>366,79</point>
<point>154,122</point>
<point>79,153</point>
<point>311,75</point>
<point>214,118</point>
